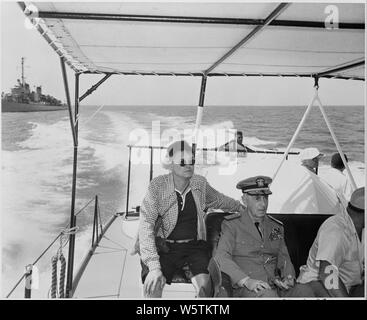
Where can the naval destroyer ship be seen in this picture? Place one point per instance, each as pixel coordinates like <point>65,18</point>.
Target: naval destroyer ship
<point>22,99</point>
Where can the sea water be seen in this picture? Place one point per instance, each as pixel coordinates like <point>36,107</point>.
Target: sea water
<point>37,157</point>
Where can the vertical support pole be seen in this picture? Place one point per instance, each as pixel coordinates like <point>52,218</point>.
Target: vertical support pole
<point>28,281</point>
<point>96,216</point>
<point>69,279</point>
<point>337,144</point>
<point>95,225</point>
<point>128,183</point>
<point>76,115</point>
<point>199,114</point>
<point>151,164</point>
<point>68,101</point>
<point>290,145</point>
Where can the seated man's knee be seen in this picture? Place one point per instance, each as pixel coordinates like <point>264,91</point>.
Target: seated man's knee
<point>246,293</point>
<point>157,293</point>
<point>357,291</point>
<point>300,290</point>
<point>268,293</point>
<point>202,284</point>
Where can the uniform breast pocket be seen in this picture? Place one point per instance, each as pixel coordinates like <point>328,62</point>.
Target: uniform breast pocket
<point>274,244</point>
<point>244,246</point>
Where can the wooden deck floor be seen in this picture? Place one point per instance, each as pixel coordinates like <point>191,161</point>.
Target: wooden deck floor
<point>112,273</point>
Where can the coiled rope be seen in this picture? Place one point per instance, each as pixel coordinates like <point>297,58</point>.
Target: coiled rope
<point>60,293</point>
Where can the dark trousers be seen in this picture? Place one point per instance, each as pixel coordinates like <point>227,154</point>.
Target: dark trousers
<point>196,254</point>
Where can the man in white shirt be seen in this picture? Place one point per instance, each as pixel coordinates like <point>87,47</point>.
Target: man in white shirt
<point>310,158</point>
<point>335,264</point>
<point>337,179</point>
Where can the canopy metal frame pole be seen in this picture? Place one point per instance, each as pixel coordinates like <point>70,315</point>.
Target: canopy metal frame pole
<point>316,99</point>
<point>151,165</point>
<point>68,101</point>
<point>70,266</point>
<point>128,183</point>
<point>199,114</point>
<point>272,16</point>
<point>352,181</point>
<point>182,19</point>
<point>346,66</point>
<point>225,74</point>
<point>296,133</point>
<point>94,87</point>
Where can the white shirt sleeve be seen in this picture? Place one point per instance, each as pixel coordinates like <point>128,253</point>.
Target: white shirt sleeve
<point>331,246</point>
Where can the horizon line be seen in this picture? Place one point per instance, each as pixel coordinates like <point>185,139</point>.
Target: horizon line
<point>215,105</point>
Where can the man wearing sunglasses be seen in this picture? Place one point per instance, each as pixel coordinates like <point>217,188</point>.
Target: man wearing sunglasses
<point>252,250</point>
<point>174,210</point>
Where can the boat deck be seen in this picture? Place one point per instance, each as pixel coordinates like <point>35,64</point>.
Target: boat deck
<point>113,273</point>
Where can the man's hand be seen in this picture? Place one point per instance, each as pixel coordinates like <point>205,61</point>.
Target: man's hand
<point>256,285</point>
<point>154,280</point>
<point>286,284</point>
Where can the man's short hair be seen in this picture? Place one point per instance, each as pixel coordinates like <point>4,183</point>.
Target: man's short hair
<point>176,146</point>
<point>356,202</point>
<point>337,162</point>
<point>239,133</point>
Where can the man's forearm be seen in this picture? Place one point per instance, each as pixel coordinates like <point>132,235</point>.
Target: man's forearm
<point>328,275</point>
<point>341,292</point>
<point>148,248</point>
<point>229,204</point>
<point>217,200</point>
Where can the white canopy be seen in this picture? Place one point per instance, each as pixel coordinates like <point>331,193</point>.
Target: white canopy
<point>212,38</point>
<point>295,189</point>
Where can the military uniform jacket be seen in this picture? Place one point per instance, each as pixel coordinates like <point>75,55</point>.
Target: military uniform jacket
<point>242,252</point>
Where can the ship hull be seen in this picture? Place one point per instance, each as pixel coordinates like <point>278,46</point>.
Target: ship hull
<point>7,106</point>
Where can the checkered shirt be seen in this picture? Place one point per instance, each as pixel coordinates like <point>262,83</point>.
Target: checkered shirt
<point>161,200</point>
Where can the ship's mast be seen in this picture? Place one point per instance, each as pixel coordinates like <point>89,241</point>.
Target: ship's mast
<point>22,71</point>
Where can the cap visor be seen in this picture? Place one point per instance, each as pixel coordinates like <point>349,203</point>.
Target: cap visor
<point>259,192</point>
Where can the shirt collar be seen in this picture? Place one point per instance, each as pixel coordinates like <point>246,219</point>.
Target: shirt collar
<point>185,192</point>
<point>183,195</point>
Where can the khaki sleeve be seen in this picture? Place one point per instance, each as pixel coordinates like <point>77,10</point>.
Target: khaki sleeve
<point>285,264</point>
<point>224,254</point>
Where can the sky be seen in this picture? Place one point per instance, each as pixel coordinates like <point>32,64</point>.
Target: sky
<point>43,68</point>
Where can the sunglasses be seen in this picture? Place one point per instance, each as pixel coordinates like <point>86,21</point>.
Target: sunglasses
<point>256,194</point>
<point>182,163</point>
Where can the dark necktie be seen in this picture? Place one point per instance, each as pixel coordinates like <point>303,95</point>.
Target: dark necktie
<point>257,224</point>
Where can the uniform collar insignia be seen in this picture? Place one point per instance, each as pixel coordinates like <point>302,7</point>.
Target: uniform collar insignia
<point>276,234</point>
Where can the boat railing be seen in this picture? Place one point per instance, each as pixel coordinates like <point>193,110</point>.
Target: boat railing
<point>152,148</point>
<point>63,237</point>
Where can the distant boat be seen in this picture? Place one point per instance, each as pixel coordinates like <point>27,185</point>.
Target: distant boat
<point>22,99</point>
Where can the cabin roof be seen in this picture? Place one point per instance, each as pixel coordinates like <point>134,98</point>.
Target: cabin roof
<point>216,39</point>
